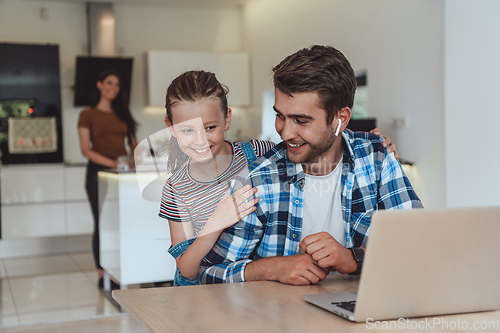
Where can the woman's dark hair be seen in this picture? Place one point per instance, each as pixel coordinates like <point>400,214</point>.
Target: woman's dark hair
<point>119,104</point>
<point>191,86</point>
<point>321,69</point>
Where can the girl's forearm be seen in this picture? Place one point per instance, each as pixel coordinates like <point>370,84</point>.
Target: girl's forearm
<point>189,261</point>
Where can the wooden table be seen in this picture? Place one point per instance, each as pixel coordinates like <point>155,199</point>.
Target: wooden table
<point>266,307</point>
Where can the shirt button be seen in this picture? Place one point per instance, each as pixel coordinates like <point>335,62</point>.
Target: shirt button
<point>297,202</point>
<point>294,236</point>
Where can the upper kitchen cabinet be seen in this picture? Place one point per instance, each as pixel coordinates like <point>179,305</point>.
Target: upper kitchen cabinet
<point>231,69</point>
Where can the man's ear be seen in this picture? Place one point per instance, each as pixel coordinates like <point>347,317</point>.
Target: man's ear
<point>344,115</point>
<point>228,119</point>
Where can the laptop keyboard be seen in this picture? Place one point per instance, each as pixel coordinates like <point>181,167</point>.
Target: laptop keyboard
<point>349,306</point>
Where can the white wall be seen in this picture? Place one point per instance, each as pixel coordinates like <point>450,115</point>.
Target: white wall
<point>138,29</point>
<point>399,43</point>
<point>472,114</point>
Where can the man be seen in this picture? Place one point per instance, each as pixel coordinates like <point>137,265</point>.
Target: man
<point>318,189</point>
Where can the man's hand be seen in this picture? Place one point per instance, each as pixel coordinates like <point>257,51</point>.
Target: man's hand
<point>388,144</point>
<point>328,253</point>
<point>299,269</point>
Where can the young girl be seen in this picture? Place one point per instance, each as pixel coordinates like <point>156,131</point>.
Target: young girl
<point>195,199</point>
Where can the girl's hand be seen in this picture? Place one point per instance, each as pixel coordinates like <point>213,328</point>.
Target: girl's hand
<point>231,209</point>
<point>388,144</point>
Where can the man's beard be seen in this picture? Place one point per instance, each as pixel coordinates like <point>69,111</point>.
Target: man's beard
<point>315,150</point>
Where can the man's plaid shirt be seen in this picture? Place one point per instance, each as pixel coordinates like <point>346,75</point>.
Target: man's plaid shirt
<point>371,180</point>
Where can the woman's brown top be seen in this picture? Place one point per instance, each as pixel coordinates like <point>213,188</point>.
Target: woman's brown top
<point>107,132</point>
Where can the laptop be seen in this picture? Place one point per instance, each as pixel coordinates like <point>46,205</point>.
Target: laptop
<point>424,262</point>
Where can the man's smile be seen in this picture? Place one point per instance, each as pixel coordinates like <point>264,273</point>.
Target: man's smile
<point>295,145</point>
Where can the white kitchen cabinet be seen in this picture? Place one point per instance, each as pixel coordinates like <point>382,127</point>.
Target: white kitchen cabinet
<point>78,215</point>
<point>231,69</point>
<point>32,183</point>
<point>74,183</point>
<point>44,200</point>
<point>34,220</point>
<point>78,218</point>
<point>134,239</point>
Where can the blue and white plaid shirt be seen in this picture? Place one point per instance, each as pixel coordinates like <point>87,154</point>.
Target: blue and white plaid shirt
<point>371,180</point>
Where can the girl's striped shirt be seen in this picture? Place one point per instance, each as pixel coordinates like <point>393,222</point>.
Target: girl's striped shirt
<point>187,200</point>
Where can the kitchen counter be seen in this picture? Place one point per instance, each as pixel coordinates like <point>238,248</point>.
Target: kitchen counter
<point>134,239</point>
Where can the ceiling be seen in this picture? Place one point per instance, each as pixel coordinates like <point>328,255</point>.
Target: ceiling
<point>169,3</point>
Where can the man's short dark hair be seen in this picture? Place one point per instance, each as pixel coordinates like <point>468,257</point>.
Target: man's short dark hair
<point>321,69</point>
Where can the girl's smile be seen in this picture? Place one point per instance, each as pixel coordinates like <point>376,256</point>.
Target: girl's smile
<point>199,128</point>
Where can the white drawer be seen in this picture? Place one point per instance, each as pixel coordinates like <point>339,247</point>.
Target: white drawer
<point>78,218</point>
<point>32,183</point>
<point>74,183</point>
<point>38,220</point>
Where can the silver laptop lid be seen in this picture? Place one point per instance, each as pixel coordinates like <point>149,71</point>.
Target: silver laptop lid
<point>425,262</point>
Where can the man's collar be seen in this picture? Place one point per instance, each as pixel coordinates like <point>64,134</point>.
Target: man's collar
<point>348,137</point>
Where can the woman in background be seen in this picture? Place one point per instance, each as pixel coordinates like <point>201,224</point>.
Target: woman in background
<point>102,130</point>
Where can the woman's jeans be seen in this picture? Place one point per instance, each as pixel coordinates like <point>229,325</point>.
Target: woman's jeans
<point>92,189</point>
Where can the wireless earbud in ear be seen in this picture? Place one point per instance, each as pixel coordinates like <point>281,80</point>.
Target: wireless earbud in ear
<point>337,131</point>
